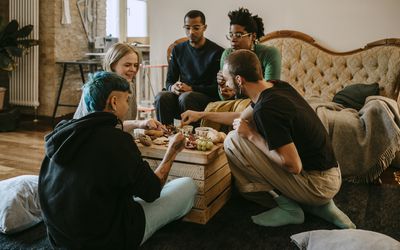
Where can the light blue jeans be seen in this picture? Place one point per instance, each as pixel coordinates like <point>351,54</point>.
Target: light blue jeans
<point>176,200</point>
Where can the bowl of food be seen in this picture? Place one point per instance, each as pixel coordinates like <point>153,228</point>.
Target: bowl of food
<point>187,130</point>
<point>202,132</point>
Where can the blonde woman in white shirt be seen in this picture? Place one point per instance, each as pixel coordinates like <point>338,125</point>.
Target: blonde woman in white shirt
<point>123,59</point>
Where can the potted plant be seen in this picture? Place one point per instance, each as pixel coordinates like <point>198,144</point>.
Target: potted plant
<point>13,43</point>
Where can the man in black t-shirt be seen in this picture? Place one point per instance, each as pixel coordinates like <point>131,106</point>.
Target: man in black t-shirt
<point>281,148</point>
<point>192,72</point>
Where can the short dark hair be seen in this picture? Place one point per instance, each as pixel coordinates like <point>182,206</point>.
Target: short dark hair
<point>245,63</point>
<point>194,14</point>
<point>99,87</point>
<point>252,24</point>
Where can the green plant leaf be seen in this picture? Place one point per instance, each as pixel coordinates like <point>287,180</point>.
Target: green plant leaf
<point>13,43</point>
<point>14,51</point>
<point>5,61</point>
<point>12,27</point>
<point>27,43</point>
<point>25,31</point>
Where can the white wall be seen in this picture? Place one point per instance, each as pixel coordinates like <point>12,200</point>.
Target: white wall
<point>340,25</point>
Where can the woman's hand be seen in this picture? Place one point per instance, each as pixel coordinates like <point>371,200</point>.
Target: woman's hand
<point>226,92</point>
<point>220,79</point>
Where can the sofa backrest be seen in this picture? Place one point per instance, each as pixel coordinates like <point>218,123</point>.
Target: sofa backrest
<point>318,72</point>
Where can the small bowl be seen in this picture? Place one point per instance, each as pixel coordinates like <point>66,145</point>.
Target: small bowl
<point>177,123</point>
<point>202,131</point>
<point>187,129</point>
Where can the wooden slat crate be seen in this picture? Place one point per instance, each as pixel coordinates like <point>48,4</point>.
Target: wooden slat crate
<point>210,172</point>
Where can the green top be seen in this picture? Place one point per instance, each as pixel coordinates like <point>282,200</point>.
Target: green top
<point>270,59</point>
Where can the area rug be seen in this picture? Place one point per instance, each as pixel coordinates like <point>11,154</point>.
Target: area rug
<point>371,207</point>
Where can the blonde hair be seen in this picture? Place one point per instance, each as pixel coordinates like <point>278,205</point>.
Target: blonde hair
<point>115,53</point>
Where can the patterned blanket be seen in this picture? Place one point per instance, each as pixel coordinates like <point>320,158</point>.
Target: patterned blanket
<point>365,142</point>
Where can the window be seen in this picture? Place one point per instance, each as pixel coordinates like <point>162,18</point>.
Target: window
<point>112,20</point>
<point>137,18</point>
<point>135,14</point>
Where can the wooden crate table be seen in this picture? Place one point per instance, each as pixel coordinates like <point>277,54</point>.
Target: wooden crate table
<point>210,171</point>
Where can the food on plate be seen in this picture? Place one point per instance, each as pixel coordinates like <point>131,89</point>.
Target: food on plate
<point>153,132</point>
<point>170,130</point>
<point>160,140</point>
<point>210,133</point>
<point>204,144</point>
<point>190,142</point>
<point>222,136</point>
<point>145,140</point>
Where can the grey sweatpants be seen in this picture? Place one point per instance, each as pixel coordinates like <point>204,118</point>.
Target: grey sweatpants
<point>254,172</point>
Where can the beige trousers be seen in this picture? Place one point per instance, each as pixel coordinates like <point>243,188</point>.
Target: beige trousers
<point>254,172</point>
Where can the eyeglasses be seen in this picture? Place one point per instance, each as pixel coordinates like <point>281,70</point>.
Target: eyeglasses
<point>194,27</point>
<point>237,35</point>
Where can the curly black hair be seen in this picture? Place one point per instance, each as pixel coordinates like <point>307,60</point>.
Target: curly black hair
<point>252,24</point>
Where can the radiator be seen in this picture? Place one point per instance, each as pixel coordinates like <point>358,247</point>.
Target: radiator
<point>24,81</point>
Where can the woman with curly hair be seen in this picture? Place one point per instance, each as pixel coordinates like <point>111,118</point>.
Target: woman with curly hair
<point>244,33</point>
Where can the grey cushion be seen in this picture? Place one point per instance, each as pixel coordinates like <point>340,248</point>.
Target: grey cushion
<point>344,239</point>
<point>353,96</point>
<point>19,203</point>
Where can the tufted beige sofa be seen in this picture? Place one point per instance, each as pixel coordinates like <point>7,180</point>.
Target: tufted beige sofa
<point>318,72</point>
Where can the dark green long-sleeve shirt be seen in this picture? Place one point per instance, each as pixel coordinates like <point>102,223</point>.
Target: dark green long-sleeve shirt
<point>197,67</point>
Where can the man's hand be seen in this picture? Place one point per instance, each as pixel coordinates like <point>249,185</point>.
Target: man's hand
<point>180,87</point>
<point>176,88</point>
<point>243,128</point>
<point>151,124</point>
<point>185,88</point>
<point>177,143</point>
<point>190,116</point>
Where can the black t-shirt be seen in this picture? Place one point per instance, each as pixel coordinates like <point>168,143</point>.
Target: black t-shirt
<point>283,116</point>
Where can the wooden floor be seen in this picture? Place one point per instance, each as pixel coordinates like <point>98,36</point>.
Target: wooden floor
<point>22,152</point>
